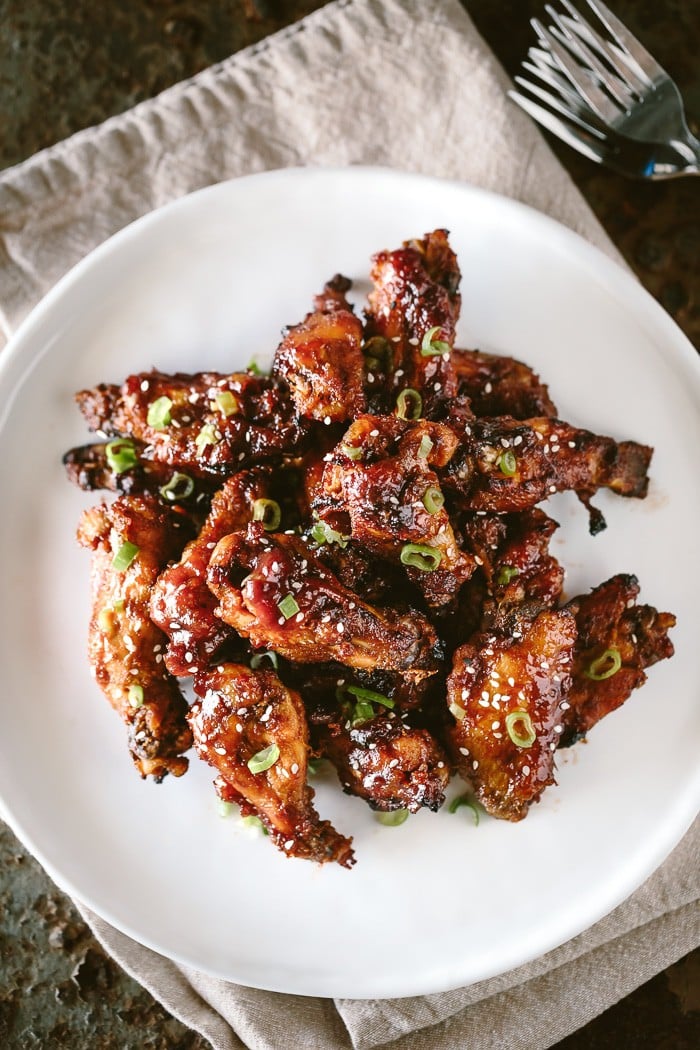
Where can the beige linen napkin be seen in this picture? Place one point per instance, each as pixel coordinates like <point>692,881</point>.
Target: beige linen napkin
<point>408,84</point>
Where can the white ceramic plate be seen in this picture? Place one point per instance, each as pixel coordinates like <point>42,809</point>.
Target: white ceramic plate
<point>437,902</point>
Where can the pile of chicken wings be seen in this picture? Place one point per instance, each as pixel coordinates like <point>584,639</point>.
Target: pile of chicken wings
<point>347,560</point>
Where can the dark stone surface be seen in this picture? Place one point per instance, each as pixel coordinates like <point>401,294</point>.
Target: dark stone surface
<point>66,66</point>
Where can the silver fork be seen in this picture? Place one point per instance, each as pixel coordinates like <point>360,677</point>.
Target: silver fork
<point>606,96</point>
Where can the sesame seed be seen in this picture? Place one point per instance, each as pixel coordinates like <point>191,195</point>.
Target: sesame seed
<point>511,681</point>
<point>465,694</point>
<point>505,442</point>
<point>374,433</point>
<point>413,341</point>
<point>327,420</point>
<point>370,377</point>
<point>295,768</point>
<point>571,444</point>
<point>239,727</point>
<point>340,628</point>
<point>475,764</point>
<point>518,440</point>
<point>394,762</point>
<point>564,706</point>
<point>478,560</point>
<point>496,724</point>
<point>220,750</point>
<point>145,385</point>
<point>289,843</point>
<point>488,388</point>
<point>441,765</point>
<point>437,387</point>
<point>559,729</point>
<point>464,750</point>
<point>189,658</point>
<point>526,771</point>
<point>485,695</point>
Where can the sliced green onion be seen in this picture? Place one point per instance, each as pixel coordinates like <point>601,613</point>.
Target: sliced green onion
<point>124,556</point>
<point>206,436</point>
<point>226,402</point>
<point>351,451</point>
<point>105,620</point>
<point>421,556</point>
<point>323,533</point>
<point>507,463</point>
<point>394,818</point>
<point>465,800</point>
<point>314,766</point>
<point>264,759</point>
<point>136,695</point>
<point>377,353</point>
<point>506,574</point>
<point>257,659</point>
<point>288,606</point>
<point>369,694</point>
<point>362,712</point>
<point>433,499</point>
<point>180,486</point>
<point>604,666</point>
<point>409,404</point>
<point>254,822</point>
<point>432,347</point>
<point>268,513</point>
<point>457,712</point>
<point>121,455</point>
<point>159,413</point>
<point>255,368</point>
<point>520,728</point>
<point>425,447</point>
<point>225,809</point>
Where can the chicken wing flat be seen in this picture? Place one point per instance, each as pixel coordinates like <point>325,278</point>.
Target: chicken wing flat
<point>380,475</point>
<point>617,640</point>
<point>414,307</point>
<point>118,466</point>
<point>202,424</point>
<point>507,465</point>
<point>253,732</point>
<point>334,295</point>
<point>132,540</point>
<point>182,605</point>
<point>321,362</point>
<point>274,590</point>
<point>386,761</point>
<point>505,697</point>
<point>501,386</point>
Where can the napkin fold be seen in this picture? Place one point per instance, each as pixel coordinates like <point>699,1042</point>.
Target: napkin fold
<point>407,84</point>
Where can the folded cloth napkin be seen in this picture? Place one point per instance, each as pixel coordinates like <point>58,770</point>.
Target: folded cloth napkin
<point>408,84</point>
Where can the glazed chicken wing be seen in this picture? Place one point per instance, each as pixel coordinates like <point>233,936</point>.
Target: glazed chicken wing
<point>506,465</point>
<point>617,640</point>
<point>132,540</point>
<point>381,475</point>
<point>385,761</point>
<point>501,386</point>
<point>505,697</point>
<point>203,424</point>
<point>119,466</point>
<point>253,732</point>
<point>181,603</point>
<point>274,590</point>
<point>414,307</point>
<point>321,362</point>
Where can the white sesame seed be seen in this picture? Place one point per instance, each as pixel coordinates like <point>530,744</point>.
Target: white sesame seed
<point>289,843</point>
<point>464,750</point>
<point>526,771</point>
<point>294,768</point>
<point>340,628</point>
<point>564,706</point>
<point>239,727</point>
<point>475,764</point>
<point>496,724</point>
<point>327,420</point>
<point>571,444</point>
<point>518,440</point>
<point>374,433</point>
<point>370,377</point>
<point>145,385</point>
<point>394,762</point>
<point>220,750</point>
<point>559,729</point>
<point>488,388</point>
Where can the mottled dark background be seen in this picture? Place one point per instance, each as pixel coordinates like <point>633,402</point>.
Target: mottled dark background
<point>66,66</point>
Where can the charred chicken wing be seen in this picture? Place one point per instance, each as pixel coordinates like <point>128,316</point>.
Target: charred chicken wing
<point>253,732</point>
<point>132,540</point>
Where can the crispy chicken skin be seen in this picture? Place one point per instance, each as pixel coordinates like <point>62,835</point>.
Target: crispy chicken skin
<point>321,362</point>
<point>610,621</point>
<point>252,573</point>
<point>392,497</point>
<point>507,465</point>
<point>241,713</point>
<point>501,386</point>
<point>415,291</point>
<point>252,419</point>
<point>493,677</point>
<point>125,648</point>
<point>333,297</point>
<point>385,761</point>
<point>181,603</point>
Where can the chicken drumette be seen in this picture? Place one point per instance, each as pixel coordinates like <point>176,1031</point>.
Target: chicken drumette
<point>253,732</point>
